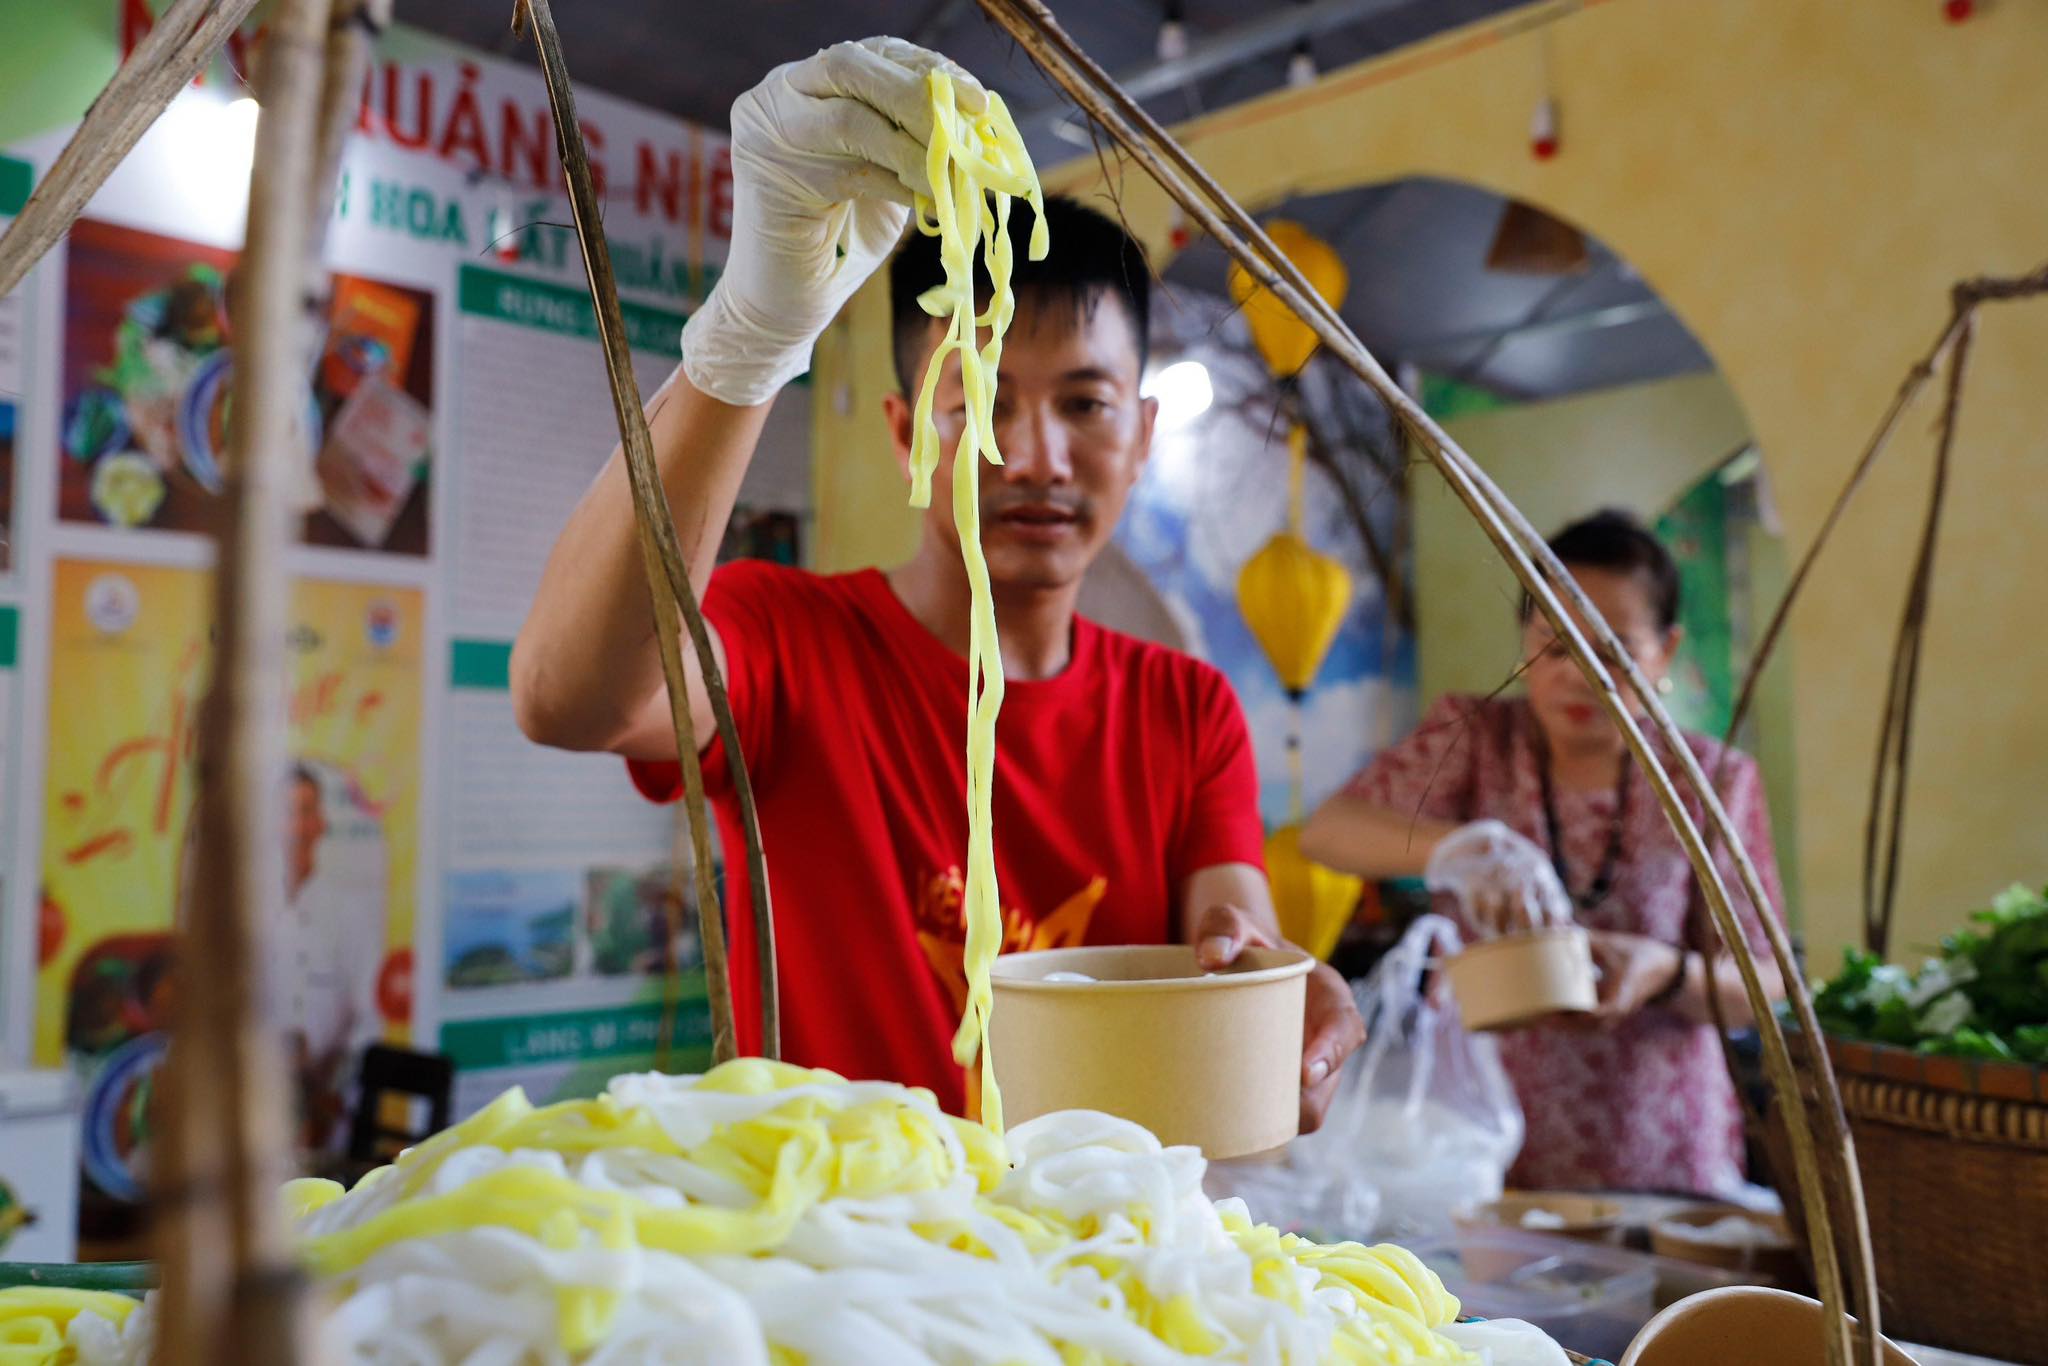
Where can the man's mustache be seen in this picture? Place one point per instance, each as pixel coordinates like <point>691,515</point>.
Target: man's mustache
<point>998,501</point>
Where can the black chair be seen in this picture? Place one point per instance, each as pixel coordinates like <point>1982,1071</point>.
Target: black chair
<point>424,1081</point>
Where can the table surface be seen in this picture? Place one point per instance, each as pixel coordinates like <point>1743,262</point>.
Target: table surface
<point>1935,1356</point>
<point>1643,1210</point>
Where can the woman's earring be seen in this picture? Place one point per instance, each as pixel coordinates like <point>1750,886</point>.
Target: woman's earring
<point>1664,685</point>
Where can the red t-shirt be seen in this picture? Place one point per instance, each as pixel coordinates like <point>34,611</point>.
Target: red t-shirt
<point>1114,781</point>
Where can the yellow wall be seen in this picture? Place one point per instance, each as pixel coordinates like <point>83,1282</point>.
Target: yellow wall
<point>1638,447</point>
<point>863,514</point>
<point>1802,181</point>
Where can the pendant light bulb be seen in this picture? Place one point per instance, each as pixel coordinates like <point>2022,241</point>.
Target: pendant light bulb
<point>1173,33</point>
<point>1301,67</point>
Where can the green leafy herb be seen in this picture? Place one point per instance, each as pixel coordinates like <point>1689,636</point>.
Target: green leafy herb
<point>1997,966</point>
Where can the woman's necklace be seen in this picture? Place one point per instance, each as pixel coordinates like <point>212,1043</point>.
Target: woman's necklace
<point>1603,878</point>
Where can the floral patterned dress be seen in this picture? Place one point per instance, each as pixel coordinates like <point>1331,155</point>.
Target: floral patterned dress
<point>1648,1106</point>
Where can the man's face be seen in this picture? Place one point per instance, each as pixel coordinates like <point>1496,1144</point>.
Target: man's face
<point>309,827</point>
<point>1072,430</point>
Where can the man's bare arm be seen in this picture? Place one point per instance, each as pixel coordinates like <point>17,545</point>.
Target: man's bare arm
<point>827,155</point>
<point>585,671</point>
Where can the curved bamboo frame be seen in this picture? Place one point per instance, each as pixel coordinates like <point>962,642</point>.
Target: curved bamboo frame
<point>668,579</point>
<point>1552,588</point>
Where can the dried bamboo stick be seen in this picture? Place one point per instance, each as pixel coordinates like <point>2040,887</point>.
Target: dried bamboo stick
<point>1885,828</point>
<point>1767,643</point>
<point>1966,296</point>
<point>674,600</point>
<point>231,1289</point>
<point>1035,30</point>
<point>164,62</point>
<point>352,32</point>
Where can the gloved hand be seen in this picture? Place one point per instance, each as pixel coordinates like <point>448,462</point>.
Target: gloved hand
<point>827,154</point>
<point>1504,882</point>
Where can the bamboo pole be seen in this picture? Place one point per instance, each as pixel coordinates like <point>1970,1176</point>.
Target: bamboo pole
<point>1885,827</point>
<point>675,602</point>
<point>164,62</point>
<point>231,1288</point>
<point>1966,297</point>
<point>1551,586</point>
<point>353,29</point>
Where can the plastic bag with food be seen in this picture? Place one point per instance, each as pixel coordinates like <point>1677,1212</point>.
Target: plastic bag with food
<point>1424,1118</point>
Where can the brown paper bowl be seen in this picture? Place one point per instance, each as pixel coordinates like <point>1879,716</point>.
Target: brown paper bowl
<point>1739,1323</point>
<point>1212,1061</point>
<point>1779,1262</point>
<point>1510,981</point>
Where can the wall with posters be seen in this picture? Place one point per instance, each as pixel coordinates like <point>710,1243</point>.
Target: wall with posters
<point>451,884</point>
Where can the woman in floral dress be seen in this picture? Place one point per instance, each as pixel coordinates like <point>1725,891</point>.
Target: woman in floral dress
<point>1530,807</point>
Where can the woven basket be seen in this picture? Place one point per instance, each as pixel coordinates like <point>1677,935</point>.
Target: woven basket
<point>1954,1156</point>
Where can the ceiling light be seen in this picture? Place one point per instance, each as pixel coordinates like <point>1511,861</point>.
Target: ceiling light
<point>1173,34</point>
<point>1301,67</point>
<point>1183,391</point>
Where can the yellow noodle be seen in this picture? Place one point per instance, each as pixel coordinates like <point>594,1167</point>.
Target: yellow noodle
<point>977,164</point>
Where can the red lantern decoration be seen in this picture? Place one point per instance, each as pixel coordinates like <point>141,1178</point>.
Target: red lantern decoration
<point>1956,11</point>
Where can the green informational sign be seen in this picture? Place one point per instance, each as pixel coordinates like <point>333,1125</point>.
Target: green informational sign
<point>481,665</point>
<point>10,636</point>
<point>1703,677</point>
<point>557,308</point>
<point>17,178</point>
<point>624,1031</point>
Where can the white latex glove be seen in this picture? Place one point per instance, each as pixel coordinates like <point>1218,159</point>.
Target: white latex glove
<point>1504,882</point>
<point>827,154</point>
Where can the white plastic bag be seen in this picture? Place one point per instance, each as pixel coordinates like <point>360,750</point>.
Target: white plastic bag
<point>1426,1110</point>
<point>1424,1118</point>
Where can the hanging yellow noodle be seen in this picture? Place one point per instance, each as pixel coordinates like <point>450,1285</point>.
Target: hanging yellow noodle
<point>977,165</point>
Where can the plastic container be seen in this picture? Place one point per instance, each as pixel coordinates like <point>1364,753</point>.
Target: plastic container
<point>1506,982</point>
<point>1593,1298</point>
<point>1728,1325</point>
<point>1567,1214</point>
<point>1778,1261</point>
<point>123,1278</point>
<point>1211,1060</point>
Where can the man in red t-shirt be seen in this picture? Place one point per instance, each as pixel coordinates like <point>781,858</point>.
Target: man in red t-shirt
<point>1125,798</point>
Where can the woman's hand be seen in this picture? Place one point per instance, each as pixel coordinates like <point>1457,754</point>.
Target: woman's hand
<point>1635,970</point>
<point>1331,1028</point>
<point>1503,881</point>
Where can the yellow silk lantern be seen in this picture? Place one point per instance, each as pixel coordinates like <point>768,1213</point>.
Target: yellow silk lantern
<point>1283,339</point>
<point>1314,903</point>
<point>1293,597</point>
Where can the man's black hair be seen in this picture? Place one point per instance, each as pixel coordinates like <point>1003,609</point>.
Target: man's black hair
<point>1615,540</point>
<point>1090,257</point>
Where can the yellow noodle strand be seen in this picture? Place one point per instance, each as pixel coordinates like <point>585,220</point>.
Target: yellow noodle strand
<point>976,165</point>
